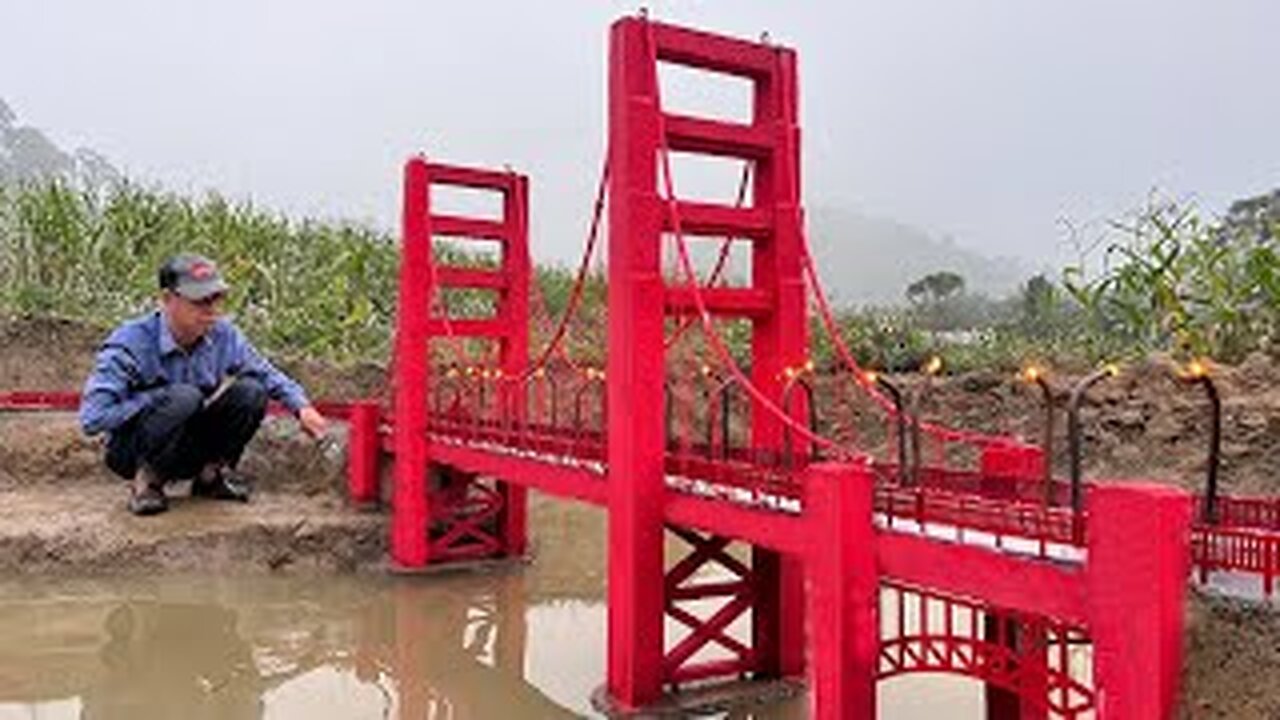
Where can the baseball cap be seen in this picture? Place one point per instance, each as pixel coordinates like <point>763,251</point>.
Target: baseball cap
<point>192,276</point>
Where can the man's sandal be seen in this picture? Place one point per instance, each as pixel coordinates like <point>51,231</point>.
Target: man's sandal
<point>227,484</point>
<point>148,501</point>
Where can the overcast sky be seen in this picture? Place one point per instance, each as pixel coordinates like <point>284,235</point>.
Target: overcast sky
<point>989,121</point>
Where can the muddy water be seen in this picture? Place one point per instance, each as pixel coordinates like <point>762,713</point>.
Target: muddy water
<point>523,642</point>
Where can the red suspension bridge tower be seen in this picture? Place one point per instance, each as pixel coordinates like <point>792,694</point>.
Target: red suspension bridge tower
<point>463,517</point>
<point>641,300</point>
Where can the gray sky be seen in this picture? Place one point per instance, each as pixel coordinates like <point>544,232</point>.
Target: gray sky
<point>986,120</point>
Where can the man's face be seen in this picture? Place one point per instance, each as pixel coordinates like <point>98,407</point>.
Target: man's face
<point>189,320</point>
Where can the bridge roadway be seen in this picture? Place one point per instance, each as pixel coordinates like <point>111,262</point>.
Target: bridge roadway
<point>761,501</point>
<point>763,504</point>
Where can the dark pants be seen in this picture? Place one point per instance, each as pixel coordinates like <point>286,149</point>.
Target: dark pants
<point>177,435</point>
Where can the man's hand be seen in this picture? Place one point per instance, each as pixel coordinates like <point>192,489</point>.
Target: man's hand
<point>313,422</point>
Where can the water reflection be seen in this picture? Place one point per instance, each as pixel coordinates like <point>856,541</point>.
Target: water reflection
<point>174,660</point>
<point>370,647</point>
<point>452,647</point>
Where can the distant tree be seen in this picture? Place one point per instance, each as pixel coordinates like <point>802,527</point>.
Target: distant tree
<point>1040,307</point>
<point>935,287</point>
<point>933,295</point>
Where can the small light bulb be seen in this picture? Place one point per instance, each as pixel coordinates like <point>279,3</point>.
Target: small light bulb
<point>1197,369</point>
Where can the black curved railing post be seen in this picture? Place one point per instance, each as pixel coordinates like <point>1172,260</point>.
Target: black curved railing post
<point>1197,373</point>
<point>1073,442</point>
<point>895,394</point>
<point>1036,376</point>
<point>726,408</point>
<point>921,396</point>
<point>788,442</point>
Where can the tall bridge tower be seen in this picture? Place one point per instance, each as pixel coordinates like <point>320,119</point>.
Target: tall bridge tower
<point>640,302</point>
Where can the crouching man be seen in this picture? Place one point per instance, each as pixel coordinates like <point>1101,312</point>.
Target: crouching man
<point>180,391</point>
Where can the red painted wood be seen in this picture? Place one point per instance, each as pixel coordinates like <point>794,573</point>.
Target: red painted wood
<point>716,137</point>
<point>468,228</point>
<point>517,267</point>
<point>844,594</point>
<point>1028,584</point>
<point>362,452</point>
<point>740,302</point>
<point>409,546</point>
<point>478,178</point>
<point>1137,577</point>
<point>635,375</point>
<point>458,277</point>
<point>708,51</point>
<point>715,220</point>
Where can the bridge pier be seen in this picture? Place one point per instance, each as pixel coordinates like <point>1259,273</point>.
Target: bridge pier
<point>844,592</point>
<point>1139,562</point>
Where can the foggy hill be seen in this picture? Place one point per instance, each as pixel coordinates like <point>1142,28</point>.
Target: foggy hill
<point>26,154</point>
<point>867,260</point>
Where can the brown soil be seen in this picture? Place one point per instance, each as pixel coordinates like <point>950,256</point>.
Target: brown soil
<point>1232,660</point>
<point>1144,424</point>
<point>64,513</point>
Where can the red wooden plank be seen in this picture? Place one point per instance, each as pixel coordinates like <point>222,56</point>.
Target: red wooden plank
<point>720,301</point>
<point>1002,580</point>
<point>455,226</point>
<point>714,219</point>
<point>460,277</point>
<point>717,53</point>
<point>479,178</point>
<point>716,137</point>
<point>471,327</point>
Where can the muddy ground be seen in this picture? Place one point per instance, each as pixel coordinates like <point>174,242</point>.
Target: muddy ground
<point>63,513</point>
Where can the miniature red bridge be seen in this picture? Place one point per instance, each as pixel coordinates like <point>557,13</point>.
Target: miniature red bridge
<point>718,456</point>
<point>846,566</point>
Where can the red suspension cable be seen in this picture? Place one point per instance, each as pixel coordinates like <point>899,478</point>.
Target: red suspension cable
<point>708,327</point>
<point>575,295</point>
<point>722,260</point>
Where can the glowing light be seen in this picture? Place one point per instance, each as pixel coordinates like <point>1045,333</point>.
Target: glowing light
<point>1197,369</point>
<point>871,376</point>
<point>706,370</point>
<point>808,365</point>
<point>789,373</point>
<point>1031,373</point>
<point>934,366</point>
